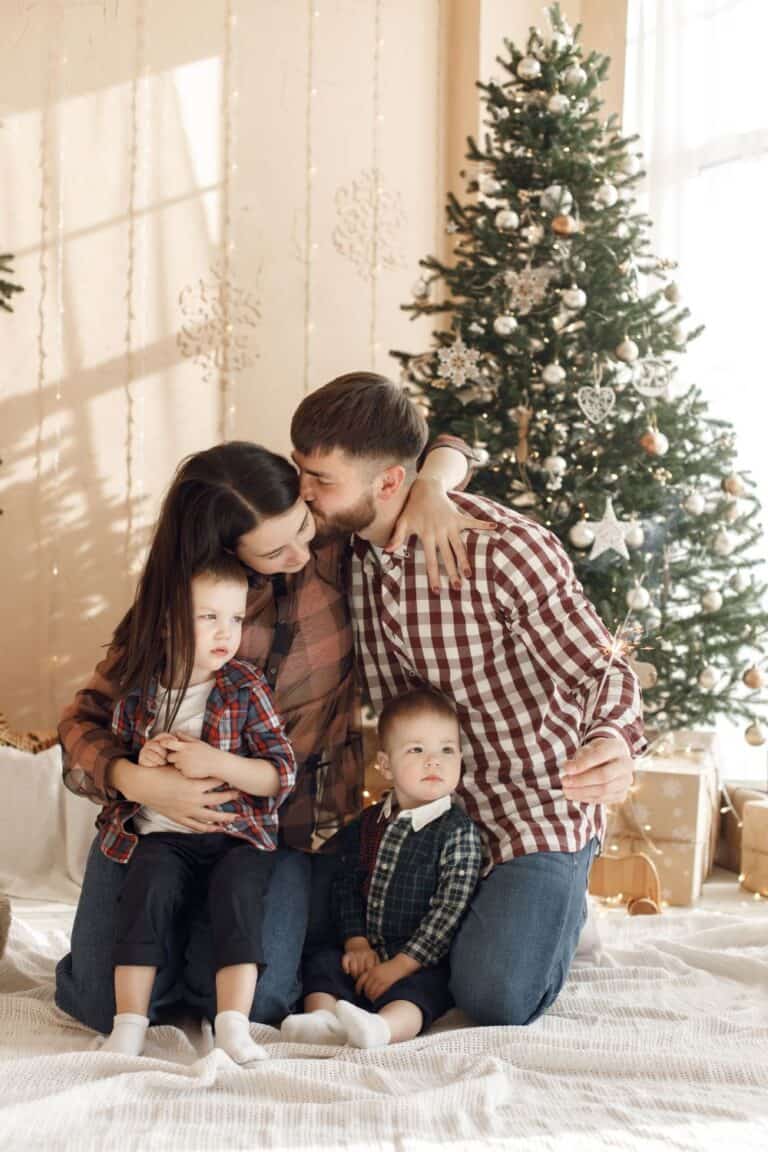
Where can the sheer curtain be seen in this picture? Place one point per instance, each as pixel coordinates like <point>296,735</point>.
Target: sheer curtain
<point>696,91</point>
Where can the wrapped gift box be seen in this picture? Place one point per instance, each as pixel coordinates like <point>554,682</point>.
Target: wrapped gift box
<point>672,814</point>
<point>754,847</point>
<point>728,854</point>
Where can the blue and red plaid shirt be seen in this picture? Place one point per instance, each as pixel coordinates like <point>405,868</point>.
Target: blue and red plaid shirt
<point>240,717</point>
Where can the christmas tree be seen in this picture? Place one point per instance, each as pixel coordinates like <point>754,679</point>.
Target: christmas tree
<point>559,362</point>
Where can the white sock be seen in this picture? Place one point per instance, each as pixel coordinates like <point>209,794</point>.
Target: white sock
<point>318,1027</point>
<point>127,1035</point>
<point>364,1029</point>
<point>233,1036</point>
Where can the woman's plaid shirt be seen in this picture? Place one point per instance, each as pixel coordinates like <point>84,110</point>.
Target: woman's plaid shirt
<point>239,718</point>
<point>524,656</point>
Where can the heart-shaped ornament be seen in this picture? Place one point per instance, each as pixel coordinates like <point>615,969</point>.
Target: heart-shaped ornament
<point>596,403</point>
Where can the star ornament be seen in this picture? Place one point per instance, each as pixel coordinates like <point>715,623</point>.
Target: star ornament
<point>609,534</point>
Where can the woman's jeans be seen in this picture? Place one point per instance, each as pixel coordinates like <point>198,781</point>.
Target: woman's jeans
<point>84,978</point>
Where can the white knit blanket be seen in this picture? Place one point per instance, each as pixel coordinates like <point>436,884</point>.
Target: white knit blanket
<point>661,1044</point>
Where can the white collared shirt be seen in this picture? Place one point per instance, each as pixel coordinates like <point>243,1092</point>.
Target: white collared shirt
<point>422,815</point>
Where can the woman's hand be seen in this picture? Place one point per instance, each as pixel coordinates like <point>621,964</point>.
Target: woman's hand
<point>431,515</point>
<point>192,803</point>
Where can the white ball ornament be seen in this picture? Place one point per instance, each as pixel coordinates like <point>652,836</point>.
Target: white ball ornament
<point>739,582</point>
<point>489,185</point>
<point>755,734</point>
<point>634,535</point>
<point>574,76</point>
<point>506,220</point>
<point>420,289</point>
<point>607,195</point>
<point>581,535</point>
<point>724,543</point>
<point>553,374</point>
<point>712,601</point>
<point>630,164</point>
<point>504,325</point>
<point>482,455</point>
<point>627,351</point>
<point>672,292</point>
<point>694,504</point>
<point>558,103</point>
<point>638,599</point>
<point>622,230</point>
<point>708,678</point>
<point>557,198</point>
<point>555,465</point>
<point>529,68</point>
<point>574,298</point>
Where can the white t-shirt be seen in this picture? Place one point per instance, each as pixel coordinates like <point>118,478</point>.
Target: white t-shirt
<point>189,719</point>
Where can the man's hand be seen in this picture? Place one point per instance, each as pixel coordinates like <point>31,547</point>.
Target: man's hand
<point>155,752</point>
<point>194,758</point>
<point>381,978</point>
<point>599,773</point>
<point>358,957</point>
<point>432,516</point>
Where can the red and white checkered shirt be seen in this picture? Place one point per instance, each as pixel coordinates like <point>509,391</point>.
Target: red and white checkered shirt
<point>523,655</point>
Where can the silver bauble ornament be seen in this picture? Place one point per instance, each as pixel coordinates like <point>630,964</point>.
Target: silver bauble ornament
<point>558,104</point>
<point>557,198</point>
<point>627,351</point>
<point>739,582</point>
<point>607,195</point>
<point>574,76</point>
<point>712,601</point>
<point>634,535</point>
<point>553,374</point>
<point>694,504</point>
<point>708,678</point>
<point>724,542</point>
<point>755,734</point>
<point>555,465</point>
<point>581,534</point>
<point>481,454</point>
<point>630,164</point>
<point>574,298</point>
<point>638,599</point>
<point>506,220</point>
<point>529,68</point>
<point>504,325</point>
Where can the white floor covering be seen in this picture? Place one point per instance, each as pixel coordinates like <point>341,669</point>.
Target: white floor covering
<point>661,1042</point>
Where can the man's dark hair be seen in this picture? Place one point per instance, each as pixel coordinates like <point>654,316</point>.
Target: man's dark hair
<point>411,703</point>
<point>364,414</point>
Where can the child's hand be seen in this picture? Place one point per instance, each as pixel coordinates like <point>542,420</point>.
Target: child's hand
<point>381,978</point>
<point>154,754</point>
<point>358,958</point>
<point>194,758</point>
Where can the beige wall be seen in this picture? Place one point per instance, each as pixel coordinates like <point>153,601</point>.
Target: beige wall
<point>138,141</point>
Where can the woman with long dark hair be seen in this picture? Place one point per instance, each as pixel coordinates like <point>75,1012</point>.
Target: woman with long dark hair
<point>241,498</point>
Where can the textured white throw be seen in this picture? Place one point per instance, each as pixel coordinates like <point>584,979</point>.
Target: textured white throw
<point>661,1044</point>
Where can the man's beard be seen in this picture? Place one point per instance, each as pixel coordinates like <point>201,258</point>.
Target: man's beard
<point>354,519</point>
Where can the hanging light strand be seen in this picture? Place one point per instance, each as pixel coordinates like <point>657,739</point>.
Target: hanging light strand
<point>313,12</point>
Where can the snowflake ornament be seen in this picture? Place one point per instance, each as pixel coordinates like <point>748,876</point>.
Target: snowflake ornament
<point>458,363</point>
<point>527,288</point>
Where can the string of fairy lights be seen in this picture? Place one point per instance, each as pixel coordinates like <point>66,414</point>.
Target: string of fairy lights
<point>310,169</point>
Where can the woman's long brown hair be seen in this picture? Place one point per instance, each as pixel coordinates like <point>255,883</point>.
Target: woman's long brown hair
<point>215,498</point>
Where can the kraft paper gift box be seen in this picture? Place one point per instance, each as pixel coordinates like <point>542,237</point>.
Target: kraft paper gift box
<point>754,847</point>
<point>728,854</point>
<point>672,813</point>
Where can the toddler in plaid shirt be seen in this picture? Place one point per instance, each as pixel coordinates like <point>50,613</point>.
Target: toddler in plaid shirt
<point>210,717</point>
<point>407,870</point>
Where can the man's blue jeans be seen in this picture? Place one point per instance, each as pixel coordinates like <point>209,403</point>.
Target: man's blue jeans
<point>514,949</point>
<point>84,977</point>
